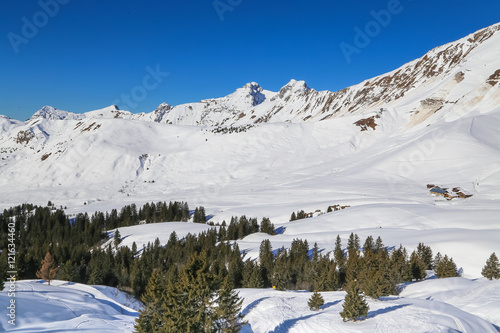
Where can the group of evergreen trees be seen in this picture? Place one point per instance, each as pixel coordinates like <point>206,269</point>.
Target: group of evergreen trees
<point>200,271</point>
<point>196,300</point>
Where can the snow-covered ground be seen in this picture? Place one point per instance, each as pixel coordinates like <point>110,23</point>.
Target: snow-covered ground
<point>442,129</point>
<point>68,307</point>
<point>433,305</point>
<point>147,233</point>
<point>447,305</point>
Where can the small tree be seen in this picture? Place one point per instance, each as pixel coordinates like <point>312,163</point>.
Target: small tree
<point>446,268</point>
<point>492,268</point>
<point>316,301</point>
<point>117,239</point>
<point>49,269</point>
<point>229,308</point>
<point>355,305</point>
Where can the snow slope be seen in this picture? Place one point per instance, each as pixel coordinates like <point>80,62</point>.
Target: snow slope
<point>447,305</point>
<point>147,233</point>
<point>435,120</point>
<point>68,307</point>
<point>275,311</point>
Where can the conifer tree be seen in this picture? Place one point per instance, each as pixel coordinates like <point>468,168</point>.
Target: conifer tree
<point>492,268</point>
<point>267,227</point>
<point>446,268</point>
<point>355,305</point>
<point>229,314</point>
<point>379,245</point>
<point>338,255</point>
<point>49,269</point>
<point>266,259</point>
<point>437,260</point>
<point>117,238</point>
<point>369,245</point>
<point>293,217</point>
<point>316,301</point>
<point>417,266</point>
<point>190,303</point>
<point>425,254</point>
<point>149,318</point>
<point>68,272</point>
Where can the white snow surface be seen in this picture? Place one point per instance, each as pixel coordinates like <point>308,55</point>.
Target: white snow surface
<point>440,127</point>
<point>433,305</point>
<point>430,306</point>
<point>68,307</point>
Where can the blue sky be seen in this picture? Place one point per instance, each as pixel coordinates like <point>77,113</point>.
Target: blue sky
<point>85,55</point>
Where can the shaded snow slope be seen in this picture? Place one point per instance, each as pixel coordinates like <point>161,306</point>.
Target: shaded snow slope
<point>69,307</point>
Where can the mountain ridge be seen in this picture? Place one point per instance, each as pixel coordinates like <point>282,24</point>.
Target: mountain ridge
<point>294,102</point>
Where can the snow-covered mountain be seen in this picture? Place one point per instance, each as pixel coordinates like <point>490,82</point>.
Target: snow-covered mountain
<point>374,146</point>
<point>455,76</point>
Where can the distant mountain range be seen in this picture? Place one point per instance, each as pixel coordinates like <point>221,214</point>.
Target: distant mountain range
<point>458,75</point>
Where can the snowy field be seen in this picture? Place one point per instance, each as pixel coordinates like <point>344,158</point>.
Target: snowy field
<point>446,305</point>
<point>68,307</point>
<point>449,305</point>
<point>444,130</point>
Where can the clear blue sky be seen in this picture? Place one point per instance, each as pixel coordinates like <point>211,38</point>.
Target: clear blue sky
<point>91,52</point>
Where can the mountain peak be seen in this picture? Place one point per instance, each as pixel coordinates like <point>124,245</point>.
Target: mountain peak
<point>252,85</point>
<point>293,87</point>
<point>51,113</point>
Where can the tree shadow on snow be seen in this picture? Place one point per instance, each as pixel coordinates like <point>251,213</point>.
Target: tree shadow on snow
<point>280,230</point>
<point>252,305</point>
<point>375,313</point>
<point>329,304</point>
<point>288,324</point>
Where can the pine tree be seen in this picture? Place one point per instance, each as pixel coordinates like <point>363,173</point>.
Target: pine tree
<point>425,254</point>
<point>379,245</point>
<point>266,259</point>
<point>316,301</point>
<point>293,217</point>
<point>369,245</point>
<point>68,272</point>
<point>49,269</point>
<point>437,260</point>
<point>417,266</point>
<point>355,305</point>
<point>492,268</point>
<point>446,268</point>
<point>267,227</point>
<point>229,314</point>
<point>117,238</point>
<point>150,316</point>
<point>189,304</point>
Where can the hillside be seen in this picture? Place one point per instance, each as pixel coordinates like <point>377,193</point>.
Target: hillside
<point>376,148</point>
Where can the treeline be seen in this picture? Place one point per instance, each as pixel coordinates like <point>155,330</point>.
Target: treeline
<point>377,270</point>
<point>39,230</point>
<point>76,244</point>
